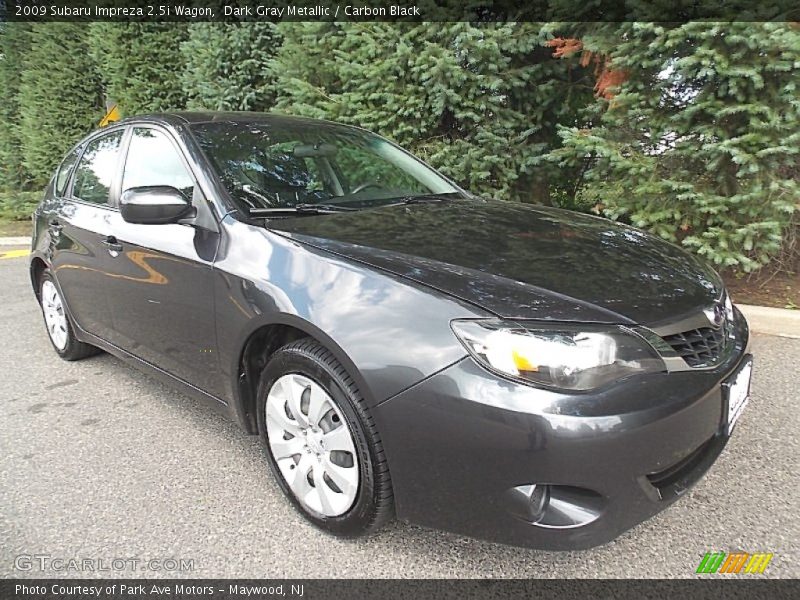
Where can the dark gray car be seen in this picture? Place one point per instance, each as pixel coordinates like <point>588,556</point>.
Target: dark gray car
<point>514,372</point>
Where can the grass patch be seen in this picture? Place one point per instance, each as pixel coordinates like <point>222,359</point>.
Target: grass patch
<point>15,228</point>
<point>15,212</point>
<point>18,206</point>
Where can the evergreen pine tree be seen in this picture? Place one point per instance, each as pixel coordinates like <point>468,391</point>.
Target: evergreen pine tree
<point>481,102</point>
<point>141,64</point>
<point>59,96</point>
<point>14,40</point>
<point>698,142</point>
<point>228,65</point>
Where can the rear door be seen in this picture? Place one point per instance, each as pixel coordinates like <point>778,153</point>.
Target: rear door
<point>79,229</point>
<point>161,294</point>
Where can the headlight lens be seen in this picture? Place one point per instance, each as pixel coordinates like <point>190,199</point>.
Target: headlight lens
<point>571,357</point>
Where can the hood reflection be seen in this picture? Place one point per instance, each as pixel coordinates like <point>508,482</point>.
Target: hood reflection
<point>522,261</point>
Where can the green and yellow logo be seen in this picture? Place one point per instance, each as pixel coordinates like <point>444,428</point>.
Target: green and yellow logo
<point>734,562</point>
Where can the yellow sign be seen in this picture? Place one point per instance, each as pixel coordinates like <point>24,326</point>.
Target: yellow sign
<point>111,116</point>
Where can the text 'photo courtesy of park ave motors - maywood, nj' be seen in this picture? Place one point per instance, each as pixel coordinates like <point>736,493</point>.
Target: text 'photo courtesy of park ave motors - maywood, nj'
<point>206,12</point>
<point>159,589</point>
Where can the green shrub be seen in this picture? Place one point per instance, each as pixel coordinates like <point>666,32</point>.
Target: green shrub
<point>18,206</point>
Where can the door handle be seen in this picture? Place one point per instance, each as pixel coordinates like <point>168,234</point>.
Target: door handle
<point>114,247</point>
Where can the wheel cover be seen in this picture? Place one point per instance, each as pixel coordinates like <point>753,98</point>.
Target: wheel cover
<point>312,445</point>
<point>54,316</point>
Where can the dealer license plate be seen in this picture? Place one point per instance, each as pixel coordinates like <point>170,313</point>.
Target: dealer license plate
<point>736,392</point>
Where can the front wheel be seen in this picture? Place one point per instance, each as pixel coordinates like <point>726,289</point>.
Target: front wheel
<point>56,319</point>
<point>321,442</point>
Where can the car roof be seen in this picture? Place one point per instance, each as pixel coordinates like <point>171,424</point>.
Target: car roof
<point>178,118</point>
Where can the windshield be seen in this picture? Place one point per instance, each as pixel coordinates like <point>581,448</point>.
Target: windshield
<point>265,165</point>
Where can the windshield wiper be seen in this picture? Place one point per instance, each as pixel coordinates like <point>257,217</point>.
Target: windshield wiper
<point>303,209</point>
<point>427,198</point>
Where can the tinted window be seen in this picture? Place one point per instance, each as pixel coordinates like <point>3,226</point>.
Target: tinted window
<point>65,170</point>
<point>96,170</point>
<point>153,160</point>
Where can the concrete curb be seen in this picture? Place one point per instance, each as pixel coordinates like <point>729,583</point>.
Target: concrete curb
<point>15,241</point>
<point>772,321</point>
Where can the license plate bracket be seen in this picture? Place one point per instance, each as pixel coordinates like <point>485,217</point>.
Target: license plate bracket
<point>736,394</point>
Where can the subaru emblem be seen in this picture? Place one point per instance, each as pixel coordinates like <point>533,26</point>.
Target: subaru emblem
<point>715,314</point>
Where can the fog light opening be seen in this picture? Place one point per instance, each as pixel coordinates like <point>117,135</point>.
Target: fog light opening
<point>554,506</point>
<point>529,502</point>
<point>539,499</point>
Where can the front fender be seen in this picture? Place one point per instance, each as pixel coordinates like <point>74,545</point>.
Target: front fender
<point>388,332</point>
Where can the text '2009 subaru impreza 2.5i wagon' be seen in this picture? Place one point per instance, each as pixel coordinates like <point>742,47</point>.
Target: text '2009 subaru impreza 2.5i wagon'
<point>517,373</point>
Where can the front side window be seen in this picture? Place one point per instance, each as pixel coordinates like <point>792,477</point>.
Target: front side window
<point>153,160</point>
<point>95,172</point>
<point>275,166</point>
<point>65,171</point>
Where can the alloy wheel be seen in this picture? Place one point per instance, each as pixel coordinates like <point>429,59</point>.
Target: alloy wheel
<point>312,445</point>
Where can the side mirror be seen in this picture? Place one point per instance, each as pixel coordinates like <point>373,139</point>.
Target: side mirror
<point>154,205</point>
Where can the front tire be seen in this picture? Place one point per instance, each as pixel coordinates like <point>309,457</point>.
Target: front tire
<point>56,320</point>
<point>321,442</point>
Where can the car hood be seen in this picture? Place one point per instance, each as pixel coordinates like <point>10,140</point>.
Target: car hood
<point>521,261</point>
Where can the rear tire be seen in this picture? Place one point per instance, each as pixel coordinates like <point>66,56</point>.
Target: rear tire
<point>57,321</point>
<point>342,480</point>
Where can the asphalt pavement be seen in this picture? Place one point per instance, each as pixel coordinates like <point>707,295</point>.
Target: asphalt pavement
<point>99,462</point>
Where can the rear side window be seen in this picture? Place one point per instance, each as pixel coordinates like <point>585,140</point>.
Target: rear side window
<point>65,170</point>
<point>95,172</point>
<point>153,160</point>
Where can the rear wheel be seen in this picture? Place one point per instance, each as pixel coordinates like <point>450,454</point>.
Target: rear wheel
<point>321,442</point>
<point>56,320</point>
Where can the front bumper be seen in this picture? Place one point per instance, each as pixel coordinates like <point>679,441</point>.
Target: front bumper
<point>458,442</point>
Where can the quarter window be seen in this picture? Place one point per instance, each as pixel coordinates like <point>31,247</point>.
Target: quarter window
<point>153,160</point>
<point>97,168</point>
<point>65,170</point>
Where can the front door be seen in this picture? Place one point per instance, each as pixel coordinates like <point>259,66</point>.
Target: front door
<point>161,296</point>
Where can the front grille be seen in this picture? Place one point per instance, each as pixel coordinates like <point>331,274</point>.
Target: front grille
<point>699,347</point>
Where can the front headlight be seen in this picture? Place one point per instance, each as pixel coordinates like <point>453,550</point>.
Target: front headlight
<point>565,356</point>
